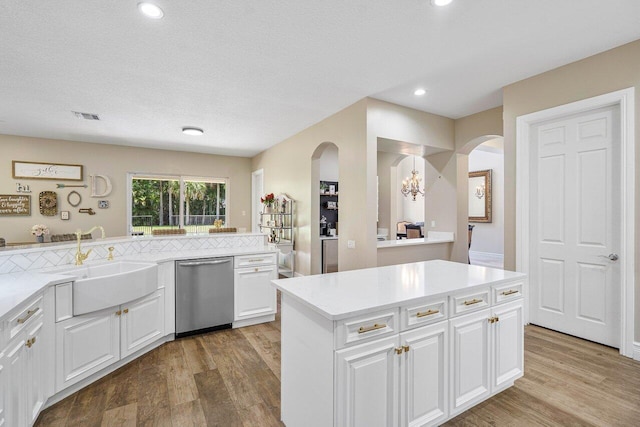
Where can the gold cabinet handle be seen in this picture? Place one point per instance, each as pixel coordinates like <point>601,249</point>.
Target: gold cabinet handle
<point>427,313</point>
<point>473,301</point>
<point>491,320</point>
<point>28,343</point>
<point>399,350</point>
<point>376,326</point>
<point>29,314</point>
<point>119,313</point>
<point>405,348</point>
<point>497,318</point>
<point>255,260</point>
<point>126,310</point>
<point>509,292</point>
<point>256,269</point>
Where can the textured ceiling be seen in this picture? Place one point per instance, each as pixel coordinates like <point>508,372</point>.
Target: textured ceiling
<point>252,73</point>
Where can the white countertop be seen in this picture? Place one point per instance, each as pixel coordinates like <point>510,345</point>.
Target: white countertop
<point>432,238</point>
<point>340,295</point>
<point>16,288</point>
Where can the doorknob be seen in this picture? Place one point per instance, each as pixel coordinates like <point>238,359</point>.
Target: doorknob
<point>612,257</point>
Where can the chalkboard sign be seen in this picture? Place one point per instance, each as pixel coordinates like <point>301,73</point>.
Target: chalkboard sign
<point>15,204</point>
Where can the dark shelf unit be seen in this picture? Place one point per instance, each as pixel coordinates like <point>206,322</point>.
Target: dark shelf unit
<point>330,214</point>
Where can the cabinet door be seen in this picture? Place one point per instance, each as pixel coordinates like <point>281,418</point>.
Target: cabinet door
<point>425,375</point>
<point>34,375</point>
<point>254,296</point>
<point>142,322</point>
<point>508,345</point>
<point>367,384</point>
<point>14,363</point>
<point>85,344</point>
<point>469,347</point>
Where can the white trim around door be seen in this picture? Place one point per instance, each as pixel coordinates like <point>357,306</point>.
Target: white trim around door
<point>257,190</point>
<point>625,100</point>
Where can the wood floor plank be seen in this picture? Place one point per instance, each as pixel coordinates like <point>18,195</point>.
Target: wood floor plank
<point>56,416</point>
<point>90,404</point>
<point>215,400</point>
<point>180,382</point>
<point>122,416</point>
<point>259,415</point>
<point>198,359</point>
<point>188,414</point>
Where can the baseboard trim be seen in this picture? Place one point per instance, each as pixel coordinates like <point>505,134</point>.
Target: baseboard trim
<point>636,351</point>
<point>486,259</point>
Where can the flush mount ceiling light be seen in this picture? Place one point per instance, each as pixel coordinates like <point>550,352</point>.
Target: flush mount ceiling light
<point>150,10</point>
<point>440,2</point>
<point>192,131</point>
<point>419,92</point>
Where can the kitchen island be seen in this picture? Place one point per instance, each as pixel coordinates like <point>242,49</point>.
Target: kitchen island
<point>411,344</point>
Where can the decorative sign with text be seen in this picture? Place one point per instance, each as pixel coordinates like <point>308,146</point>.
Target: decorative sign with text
<point>15,205</point>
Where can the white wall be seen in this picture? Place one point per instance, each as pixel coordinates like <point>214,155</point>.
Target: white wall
<point>489,237</point>
<point>408,210</point>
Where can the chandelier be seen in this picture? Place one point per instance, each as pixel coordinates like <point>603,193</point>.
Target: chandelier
<point>411,185</point>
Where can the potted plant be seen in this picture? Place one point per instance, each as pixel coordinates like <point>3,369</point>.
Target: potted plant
<point>39,230</point>
<point>267,201</point>
<point>324,187</point>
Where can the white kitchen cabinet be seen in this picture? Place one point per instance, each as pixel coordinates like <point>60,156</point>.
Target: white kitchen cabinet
<point>367,384</point>
<point>167,281</point>
<point>508,345</point>
<point>90,342</point>
<point>487,353</point>
<point>35,373</point>
<point>15,364</point>
<point>470,351</point>
<point>85,345</point>
<point>254,297</point>
<point>142,322</point>
<point>425,375</point>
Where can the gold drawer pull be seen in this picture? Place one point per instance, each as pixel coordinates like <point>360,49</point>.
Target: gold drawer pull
<point>493,319</point>
<point>256,260</point>
<point>364,329</point>
<point>29,314</point>
<point>473,301</point>
<point>427,313</point>
<point>30,342</point>
<point>510,292</point>
<point>119,313</point>
<point>399,350</point>
<point>405,348</point>
<point>126,310</point>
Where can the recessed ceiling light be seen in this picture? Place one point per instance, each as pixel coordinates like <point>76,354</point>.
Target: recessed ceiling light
<point>419,92</point>
<point>440,2</point>
<point>150,10</point>
<point>192,131</point>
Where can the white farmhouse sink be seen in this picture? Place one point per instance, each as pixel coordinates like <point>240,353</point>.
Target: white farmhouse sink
<point>107,285</point>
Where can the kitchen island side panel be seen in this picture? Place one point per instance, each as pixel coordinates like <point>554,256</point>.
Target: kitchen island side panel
<point>307,366</point>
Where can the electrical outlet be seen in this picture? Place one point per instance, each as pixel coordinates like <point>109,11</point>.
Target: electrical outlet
<point>433,224</point>
<point>244,213</point>
<point>351,244</point>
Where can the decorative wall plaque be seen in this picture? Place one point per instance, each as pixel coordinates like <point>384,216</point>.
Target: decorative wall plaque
<point>48,203</point>
<point>15,205</point>
<point>58,171</point>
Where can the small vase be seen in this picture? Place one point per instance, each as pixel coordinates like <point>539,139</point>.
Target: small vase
<point>266,209</point>
<point>40,238</point>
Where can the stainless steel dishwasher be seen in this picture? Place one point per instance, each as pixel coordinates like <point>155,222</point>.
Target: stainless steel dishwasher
<point>204,295</point>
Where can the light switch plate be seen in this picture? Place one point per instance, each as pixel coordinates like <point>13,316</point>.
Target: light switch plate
<point>351,244</point>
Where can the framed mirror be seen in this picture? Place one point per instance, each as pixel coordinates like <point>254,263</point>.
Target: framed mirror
<point>480,196</point>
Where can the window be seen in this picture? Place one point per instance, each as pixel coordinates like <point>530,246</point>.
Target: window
<point>159,201</point>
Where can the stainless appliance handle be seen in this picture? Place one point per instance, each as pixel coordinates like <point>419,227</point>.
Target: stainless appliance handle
<point>193,264</point>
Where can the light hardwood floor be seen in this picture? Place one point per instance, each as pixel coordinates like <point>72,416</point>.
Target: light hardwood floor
<point>232,378</point>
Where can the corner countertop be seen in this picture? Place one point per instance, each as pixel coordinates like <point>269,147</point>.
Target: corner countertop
<point>345,294</point>
<point>16,288</point>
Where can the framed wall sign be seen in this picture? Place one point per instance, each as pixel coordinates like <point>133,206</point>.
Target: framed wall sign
<point>15,205</point>
<point>57,171</point>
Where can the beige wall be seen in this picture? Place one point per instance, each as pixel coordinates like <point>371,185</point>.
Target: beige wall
<point>388,189</point>
<point>113,161</point>
<point>413,253</point>
<point>288,169</point>
<point>609,71</point>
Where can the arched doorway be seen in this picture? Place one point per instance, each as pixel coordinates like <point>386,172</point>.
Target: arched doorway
<point>325,203</point>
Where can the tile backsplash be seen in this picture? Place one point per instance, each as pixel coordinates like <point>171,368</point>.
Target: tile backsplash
<point>18,260</point>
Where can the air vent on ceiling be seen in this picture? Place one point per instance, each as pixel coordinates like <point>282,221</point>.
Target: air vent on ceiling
<point>86,116</point>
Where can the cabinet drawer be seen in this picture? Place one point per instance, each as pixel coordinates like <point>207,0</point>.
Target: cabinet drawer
<point>365,327</point>
<point>24,316</point>
<point>506,292</point>
<point>466,303</point>
<point>255,259</point>
<point>423,314</point>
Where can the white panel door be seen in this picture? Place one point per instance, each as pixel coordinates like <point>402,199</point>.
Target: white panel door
<point>575,225</point>
<point>367,385</point>
<point>15,364</point>
<point>425,375</point>
<point>34,372</point>
<point>142,322</point>
<point>85,344</point>
<point>469,350</point>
